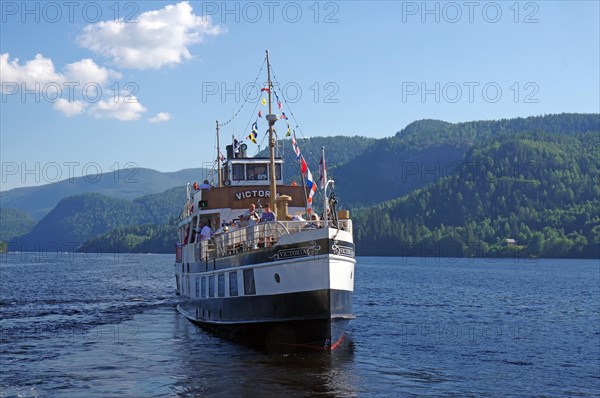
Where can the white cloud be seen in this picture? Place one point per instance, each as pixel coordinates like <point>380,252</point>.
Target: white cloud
<point>158,37</point>
<point>87,71</point>
<point>40,70</point>
<point>70,108</point>
<point>36,71</point>
<point>121,108</point>
<point>67,97</point>
<point>160,117</point>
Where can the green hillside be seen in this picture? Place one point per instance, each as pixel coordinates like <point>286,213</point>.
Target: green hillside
<point>428,150</point>
<point>125,184</point>
<point>538,188</point>
<point>514,187</point>
<point>146,238</point>
<point>78,218</point>
<point>339,151</point>
<point>13,223</point>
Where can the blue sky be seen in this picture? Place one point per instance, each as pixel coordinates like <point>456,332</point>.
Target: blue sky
<point>155,83</point>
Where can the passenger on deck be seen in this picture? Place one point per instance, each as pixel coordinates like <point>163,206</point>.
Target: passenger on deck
<point>299,222</point>
<point>205,232</point>
<point>250,217</point>
<point>268,215</point>
<point>315,221</point>
<point>294,217</point>
<point>205,185</point>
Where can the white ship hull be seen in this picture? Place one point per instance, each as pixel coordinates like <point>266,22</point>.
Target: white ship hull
<point>297,292</point>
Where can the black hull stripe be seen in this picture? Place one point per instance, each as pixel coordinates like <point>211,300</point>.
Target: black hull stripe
<point>313,305</point>
<point>322,334</point>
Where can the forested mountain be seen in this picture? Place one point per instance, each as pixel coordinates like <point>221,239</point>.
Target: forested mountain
<point>77,218</point>
<point>339,151</point>
<point>539,188</point>
<point>428,150</point>
<point>146,238</point>
<point>516,187</point>
<point>14,222</point>
<point>127,183</point>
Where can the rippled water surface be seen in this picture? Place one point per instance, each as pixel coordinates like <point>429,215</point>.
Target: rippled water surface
<point>76,326</point>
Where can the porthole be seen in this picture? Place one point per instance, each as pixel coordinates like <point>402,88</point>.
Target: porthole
<point>351,275</point>
<point>277,278</point>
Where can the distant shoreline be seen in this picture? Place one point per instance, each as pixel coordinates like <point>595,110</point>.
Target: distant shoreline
<point>51,254</point>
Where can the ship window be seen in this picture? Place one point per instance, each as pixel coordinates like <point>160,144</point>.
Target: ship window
<point>256,172</point>
<point>211,286</point>
<point>197,287</point>
<point>238,172</point>
<point>278,171</point>
<point>221,285</point>
<point>203,287</point>
<point>233,288</point>
<point>249,287</point>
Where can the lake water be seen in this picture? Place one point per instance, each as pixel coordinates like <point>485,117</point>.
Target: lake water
<point>76,325</point>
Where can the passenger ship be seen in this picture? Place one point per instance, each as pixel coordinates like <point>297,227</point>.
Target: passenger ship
<point>287,283</point>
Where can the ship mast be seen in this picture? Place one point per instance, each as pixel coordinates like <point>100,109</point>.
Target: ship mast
<point>218,158</point>
<point>271,119</point>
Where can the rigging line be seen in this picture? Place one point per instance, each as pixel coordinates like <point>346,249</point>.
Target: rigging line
<point>245,99</point>
<point>288,105</point>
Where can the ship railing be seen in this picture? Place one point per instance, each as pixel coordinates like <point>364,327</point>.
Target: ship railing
<point>257,236</point>
<point>297,226</point>
<point>247,238</point>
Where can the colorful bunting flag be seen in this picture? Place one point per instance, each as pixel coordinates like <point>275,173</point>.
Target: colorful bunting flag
<point>295,146</point>
<point>312,188</point>
<point>303,165</point>
<point>259,113</point>
<point>289,132</point>
<point>254,132</point>
<point>283,116</point>
<point>264,101</point>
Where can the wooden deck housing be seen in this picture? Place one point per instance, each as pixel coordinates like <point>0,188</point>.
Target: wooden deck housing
<point>237,197</point>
